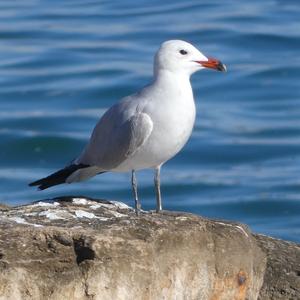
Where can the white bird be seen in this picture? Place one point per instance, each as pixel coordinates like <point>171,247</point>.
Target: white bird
<point>146,129</point>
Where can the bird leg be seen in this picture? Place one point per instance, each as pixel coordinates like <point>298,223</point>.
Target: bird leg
<point>157,189</point>
<point>137,204</point>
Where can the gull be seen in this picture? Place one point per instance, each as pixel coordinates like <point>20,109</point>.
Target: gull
<point>146,129</point>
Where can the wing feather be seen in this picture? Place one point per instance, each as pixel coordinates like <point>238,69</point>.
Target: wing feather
<point>113,142</point>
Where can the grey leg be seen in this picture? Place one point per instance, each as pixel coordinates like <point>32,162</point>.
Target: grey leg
<point>157,189</point>
<point>137,204</point>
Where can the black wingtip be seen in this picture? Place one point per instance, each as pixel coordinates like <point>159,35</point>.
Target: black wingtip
<point>38,182</point>
<point>32,183</point>
<point>56,178</point>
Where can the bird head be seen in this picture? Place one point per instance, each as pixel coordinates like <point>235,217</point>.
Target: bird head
<point>181,57</point>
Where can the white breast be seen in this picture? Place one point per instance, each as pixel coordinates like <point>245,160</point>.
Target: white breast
<point>173,116</point>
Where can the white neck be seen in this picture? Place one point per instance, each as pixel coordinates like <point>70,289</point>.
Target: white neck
<point>178,83</point>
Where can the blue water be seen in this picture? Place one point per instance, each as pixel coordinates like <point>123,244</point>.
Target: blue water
<point>64,62</point>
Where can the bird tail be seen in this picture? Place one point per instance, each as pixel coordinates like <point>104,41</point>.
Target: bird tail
<point>71,173</point>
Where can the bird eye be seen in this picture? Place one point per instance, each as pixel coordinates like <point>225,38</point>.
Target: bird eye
<point>183,52</point>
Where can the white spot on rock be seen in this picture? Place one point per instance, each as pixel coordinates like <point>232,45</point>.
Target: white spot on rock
<point>116,214</point>
<point>98,205</point>
<point>46,204</point>
<point>20,220</point>
<point>84,214</point>
<point>242,229</point>
<point>31,214</point>
<point>51,215</point>
<point>80,201</point>
<point>120,205</point>
<point>235,226</point>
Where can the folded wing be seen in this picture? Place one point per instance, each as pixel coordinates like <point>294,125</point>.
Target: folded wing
<point>113,141</point>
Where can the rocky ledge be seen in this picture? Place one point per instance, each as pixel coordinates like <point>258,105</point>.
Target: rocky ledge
<point>78,248</point>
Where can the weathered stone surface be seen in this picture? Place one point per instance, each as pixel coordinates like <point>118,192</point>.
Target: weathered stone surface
<point>85,249</point>
<point>282,274</point>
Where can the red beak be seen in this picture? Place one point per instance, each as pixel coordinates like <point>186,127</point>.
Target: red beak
<point>213,63</point>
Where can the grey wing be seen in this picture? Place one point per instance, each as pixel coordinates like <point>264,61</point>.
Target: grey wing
<point>111,143</point>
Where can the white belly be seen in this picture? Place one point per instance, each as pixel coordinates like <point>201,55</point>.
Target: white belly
<point>171,130</point>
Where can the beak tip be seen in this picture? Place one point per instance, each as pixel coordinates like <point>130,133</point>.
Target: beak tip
<point>221,67</point>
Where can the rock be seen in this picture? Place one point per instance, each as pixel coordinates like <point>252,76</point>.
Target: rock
<point>4,207</point>
<point>282,273</point>
<point>79,248</point>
